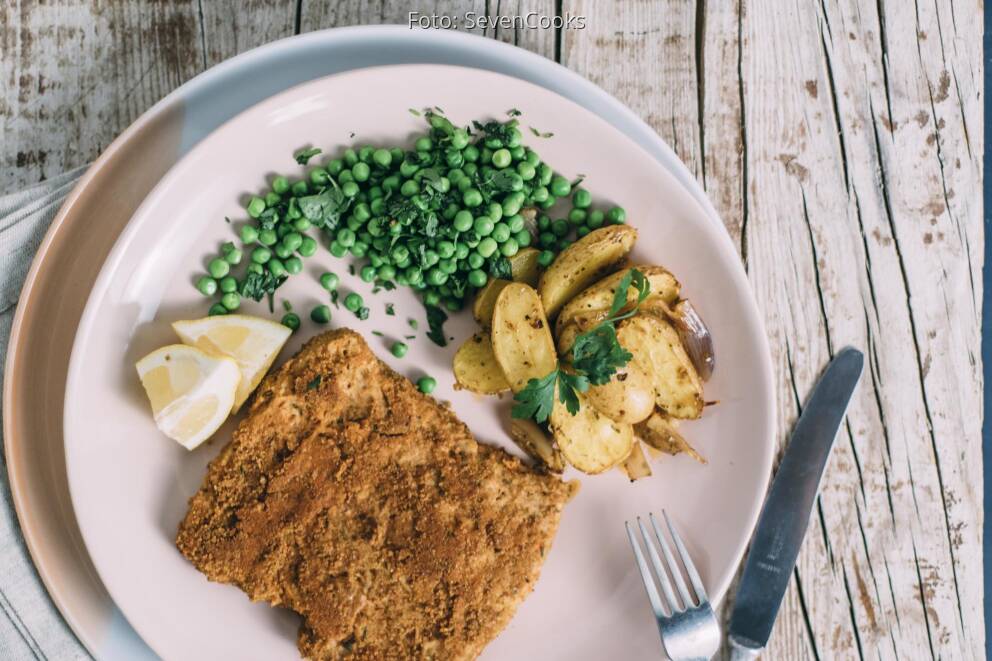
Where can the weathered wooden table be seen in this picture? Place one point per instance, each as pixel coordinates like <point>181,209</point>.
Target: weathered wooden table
<point>841,142</point>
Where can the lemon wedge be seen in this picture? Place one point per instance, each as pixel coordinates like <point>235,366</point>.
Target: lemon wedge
<point>191,392</point>
<point>252,342</point>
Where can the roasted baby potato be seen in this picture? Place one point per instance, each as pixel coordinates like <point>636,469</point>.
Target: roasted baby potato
<point>584,262</point>
<point>531,439</point>
<point>592,305</point>
<point>475,366</point>
<point>521,337</point>
<point>661,433</point>
<point>658,351</point>
<point>627,397</point>
<point>525,269</point>
<point>636,465</point>
<point>589,440</point>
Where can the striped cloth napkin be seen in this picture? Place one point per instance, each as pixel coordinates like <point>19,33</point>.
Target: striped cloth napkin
<point>30,625</point>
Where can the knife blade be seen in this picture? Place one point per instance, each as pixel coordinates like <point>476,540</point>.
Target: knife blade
<point>786,512</point>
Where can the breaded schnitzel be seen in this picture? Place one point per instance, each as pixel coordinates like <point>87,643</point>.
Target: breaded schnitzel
<point>351,498</point>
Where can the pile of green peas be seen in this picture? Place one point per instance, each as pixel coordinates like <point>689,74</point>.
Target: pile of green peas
<point>438,218</point>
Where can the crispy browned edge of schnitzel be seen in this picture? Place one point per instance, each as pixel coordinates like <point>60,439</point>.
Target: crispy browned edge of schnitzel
<point>336,374</point>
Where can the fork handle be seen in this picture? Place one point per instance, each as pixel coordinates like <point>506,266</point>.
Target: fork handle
<point>741,652</point>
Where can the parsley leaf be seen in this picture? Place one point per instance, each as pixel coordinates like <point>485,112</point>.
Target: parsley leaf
<point>513,112</point>
<point>568,385</point>
<point>313,385</point>
<point>390,310</point>
<point>634,278</point>
<point>325,208</point>
<point>537,398</point>
<point>597,354</point>
<point>257,285</point>
<point>304,155</point>
<point>499,268</point>
<point>539,134</point>
<point>435,321</point>
<point>362,313</point>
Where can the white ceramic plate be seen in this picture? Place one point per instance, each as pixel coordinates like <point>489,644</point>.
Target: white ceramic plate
<point>129,484</point>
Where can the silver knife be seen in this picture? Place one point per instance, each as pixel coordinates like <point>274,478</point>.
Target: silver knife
<point>785,515</point>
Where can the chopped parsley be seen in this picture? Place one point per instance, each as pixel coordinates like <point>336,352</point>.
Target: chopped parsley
<point>313,385</point>
<point>362,313</point>
<point>378,333</point>
<point>286,305</point>
<point>499,269</point>
<point>390,310</point>
<point>413,323</point>
<point>257,285</point>
<point>539,134</point>
<point>513,112</point>
<point>435,321</point>
<point>304,155</point>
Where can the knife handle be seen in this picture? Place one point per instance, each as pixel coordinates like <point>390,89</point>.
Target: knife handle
<point>742,652</point>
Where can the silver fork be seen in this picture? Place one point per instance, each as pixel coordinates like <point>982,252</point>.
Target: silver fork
<point>689,630</point>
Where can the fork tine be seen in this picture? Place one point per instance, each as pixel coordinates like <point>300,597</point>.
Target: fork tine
<point>666,586</point>
<point>642,565</point>
<point>673,566</point>
<point>690,568</point>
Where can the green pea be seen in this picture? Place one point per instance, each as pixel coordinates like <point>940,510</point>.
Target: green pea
<point>206,285</point>
<point>545,174</point>
<point>430,258</point>
<point>377,206</point>
<point>463,220</point>
<point>382,158</point>
<point>281,251</point>
<point>487,247</point>
<point>543,223</point>
<point>501,158</point>
<point>216,310</point>
<point>501,232</point>
<point>540,194</point>
<point>512,203</point>
<point>454,158</point>
<point>345,237</point>
<point>563,244</point>
<point>329,281</point>
<point>423,144</point>
<point>267,237</point>
<point>282,229</point>
<point>368,273</point>
<point>470,154</point>
<point>472,198</point>
<point>510,247</point>
<point>399,349</point>
<point>477,278</point>
<point>581,198</point>
<point>581,231</point>
<point>319,176</point>
<point>426,384</point>
<point>256,268</point>
<point>349,189</point>
<point>547,239</point>
<point>361,171</point>
<point>526,170</point>
<point>448,266</point>
<point>436,276</point>
<point>560,227</point>
<point>280,185</point>
<point>386,272</point>
<point>560,186</point>
<point>228,284</point>
<point>334,166</point>
<point>272,198</point>
<point>399,253</point>
<point>464,185</point>
<point>516,223</point>
<point>461,251</point>
<point>531,157</point>
<point>445,249</point>
<point>483,225</point>
<point>486,155</point>
<point>397,154</point>
<point>291,320</point>
<point>409,188</point>
<point>249,234</point>
<point>350,156</point>
<point>365,153</point>
<point>353,301</point>
<point>301,224</point>
<point>616,215</point>
<point>276,267</point>
<point>321,314</point>
<point>595,218</point>
<point>300,188</point>
<point>231,301</point>
<point>255,207</point>
<point>293,240</point>
<point>359,249</point>
<point>577,216</point>
<point>475,260</point>
<point>337,249</point>
<point>545,258</point>
<point>218,268</point>
<point>293,265</point>
<point>523,238</point>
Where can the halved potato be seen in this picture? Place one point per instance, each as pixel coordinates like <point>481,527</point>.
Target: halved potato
<point>636,465</point>
<point>584,262</point>
<point>525,269</point>
<point>589,440</point>
<point>661,433</point>
<point>522,341</point>
<point>658,351</point>
<point>531,439</point>
<point>475,366</point>
<point>627,397</point>
<point>592,305</point>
